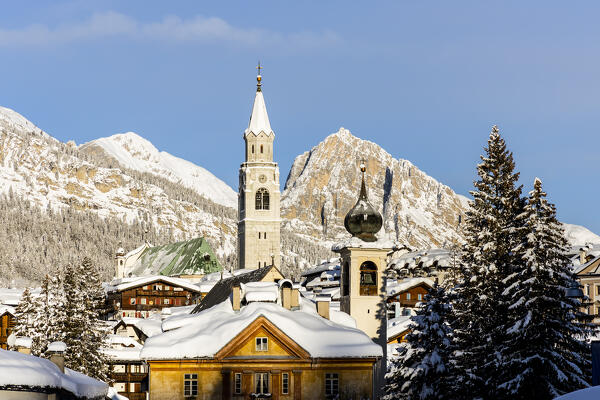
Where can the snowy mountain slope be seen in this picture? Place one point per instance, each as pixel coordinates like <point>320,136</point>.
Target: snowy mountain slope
<point>137,153</point>
<point>323,185</point>
<point>55,175</point>
<point>579,235</point>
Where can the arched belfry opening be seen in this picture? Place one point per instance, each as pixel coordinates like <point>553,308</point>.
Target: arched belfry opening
<point>368,279</point>
<point>262,199</point>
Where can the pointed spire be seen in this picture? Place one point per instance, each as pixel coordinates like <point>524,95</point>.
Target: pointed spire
<point>259,120</point>
<point>363,221</point>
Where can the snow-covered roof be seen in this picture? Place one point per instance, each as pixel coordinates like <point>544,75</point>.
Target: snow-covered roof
<point>259,120</point>
<point>150,326</point>
<point>7,309</point>
<point>146,280</point>
<point>57,347</point>
<point>591,393</point>
<point>355,242</point>
<point>23,341</point>
<point>398,325</point>
<point>394,287</point>
<point>260,291</point>
<point>122,348</point>
<point>18,369</point>
<point>427,257</point>
<point>325,265</point>
<point>203,334</point>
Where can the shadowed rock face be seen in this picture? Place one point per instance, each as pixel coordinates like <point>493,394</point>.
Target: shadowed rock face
<point>321,189</point>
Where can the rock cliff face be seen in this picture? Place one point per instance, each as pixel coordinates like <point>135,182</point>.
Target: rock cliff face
<point>324,182</point>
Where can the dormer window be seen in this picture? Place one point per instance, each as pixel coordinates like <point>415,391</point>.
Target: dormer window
<point>262,344</point>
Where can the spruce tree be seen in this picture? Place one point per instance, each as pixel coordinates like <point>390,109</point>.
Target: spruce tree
<point>423,367</point>
<point>42,318</point>
<point>25,315</point>
<point>493,227</point>
<point>545,354</point>
<point>83,331</point>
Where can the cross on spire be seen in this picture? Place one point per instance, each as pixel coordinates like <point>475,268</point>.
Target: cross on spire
<point>258,78</point>
<point>259,68</point>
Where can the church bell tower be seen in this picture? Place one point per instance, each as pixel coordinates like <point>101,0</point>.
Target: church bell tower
<point>258,198</point>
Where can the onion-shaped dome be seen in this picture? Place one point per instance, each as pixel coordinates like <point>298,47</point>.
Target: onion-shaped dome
<point>363,221</point>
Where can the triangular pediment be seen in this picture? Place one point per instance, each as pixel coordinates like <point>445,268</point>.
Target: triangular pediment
<point>279,345</point>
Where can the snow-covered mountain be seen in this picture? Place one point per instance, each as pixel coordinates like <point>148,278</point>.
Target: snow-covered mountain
<point>580,235</point>
<point>323,185</point>
<point>136,153</point>
<point>124,176</point>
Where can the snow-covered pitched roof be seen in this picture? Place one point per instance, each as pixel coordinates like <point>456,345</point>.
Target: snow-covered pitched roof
<point>355,242</point>
<point>7,309</point>
<point>427,257</point>
<point>122,348</point>
<point>325,265</point>
<point>397,287</point>
<point>260,291</point>
<point>17,369</point>
<point>203,334</point>
<point>259,120</point>
<point>398,325</point>
<point>146,280</point>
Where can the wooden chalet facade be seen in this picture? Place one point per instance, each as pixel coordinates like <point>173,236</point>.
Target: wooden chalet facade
<point>7,324</point>
<point>130,378</point>
<point>411,296</point>
<point>144,296</point>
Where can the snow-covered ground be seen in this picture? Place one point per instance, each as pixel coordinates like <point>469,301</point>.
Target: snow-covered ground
<point>592,393</point>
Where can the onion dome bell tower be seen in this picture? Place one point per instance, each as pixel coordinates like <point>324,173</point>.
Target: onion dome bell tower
<point>363,221</point>
<point>363,260</point>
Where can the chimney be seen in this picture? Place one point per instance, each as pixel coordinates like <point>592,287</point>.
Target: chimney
<point>23,344</point>
<point>323,302</point>
<point>295,297</point>
<point>582,255</point>
<point>57,354</point>
<point>285,286</point>
<point>236,295</point>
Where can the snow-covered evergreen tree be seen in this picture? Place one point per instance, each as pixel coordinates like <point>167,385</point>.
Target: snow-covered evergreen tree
<point>42,318</point>
<point>545,354</point>
<point>83,331</point>
<point>493,230</point>
<point>423,367</point>
<point>25,314</point>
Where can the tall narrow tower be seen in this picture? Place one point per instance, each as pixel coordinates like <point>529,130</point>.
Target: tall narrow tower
<point>258,198</point>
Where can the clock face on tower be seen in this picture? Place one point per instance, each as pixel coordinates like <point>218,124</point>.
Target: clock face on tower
<point>262,179</point>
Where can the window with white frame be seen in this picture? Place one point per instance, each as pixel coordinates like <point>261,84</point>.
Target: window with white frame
<point>143,300</point>
<point>407,296</point>
<point>261,383</point>
<point>285,383</point>
<point>419,296</point>
<point>166,301</point>
<point>237,383</point>
<point>262,344</point>
<point>119,386</point>
<point>190,385</point>
<point>332,384</point>
<point>119,368</point>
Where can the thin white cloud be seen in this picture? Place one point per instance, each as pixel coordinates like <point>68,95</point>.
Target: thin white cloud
<point>172,28</point>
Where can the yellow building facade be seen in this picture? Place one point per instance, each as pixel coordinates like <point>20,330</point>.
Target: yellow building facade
<point>262,362</point>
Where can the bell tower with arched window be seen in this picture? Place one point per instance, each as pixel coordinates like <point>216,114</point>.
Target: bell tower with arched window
<point>258,198</point>
<point>363,264</point>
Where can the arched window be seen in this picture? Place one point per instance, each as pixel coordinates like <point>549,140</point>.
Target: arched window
<point>262,199</point>
<point>368,279</point>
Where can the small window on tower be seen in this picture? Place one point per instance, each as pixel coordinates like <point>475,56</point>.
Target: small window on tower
<point>252,149</point>
<point>262,199</point>
<point>259,235</point>
<point>368,279</point>
<point>261,149</point>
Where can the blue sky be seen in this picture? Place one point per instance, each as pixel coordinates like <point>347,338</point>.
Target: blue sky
<point>425,80</point>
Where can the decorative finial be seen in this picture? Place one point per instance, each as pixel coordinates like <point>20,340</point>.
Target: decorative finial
<point>363,186</point>
<point>258,78</point>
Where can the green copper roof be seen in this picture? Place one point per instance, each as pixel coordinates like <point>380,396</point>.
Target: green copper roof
<point>193,256</point>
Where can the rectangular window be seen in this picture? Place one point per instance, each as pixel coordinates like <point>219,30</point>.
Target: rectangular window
<point>177,302</point>
<point>143,300</point>
<point>419,296</point>
<point>119,368</point>
<point>262,344</point>
<point>261,381</point>
<point>407,296</point>
<point>190,385</point>
<point>332,384</point>
<point>285,383</point>
<point>178,289</point>
<point>119,386</point>
<point>146,288</point>
<point>132,300</point>
<point>166,301</point>
<point>265,235</point>
<point>597,289</point>
<point>157,302</point>
<point>237,383</point>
